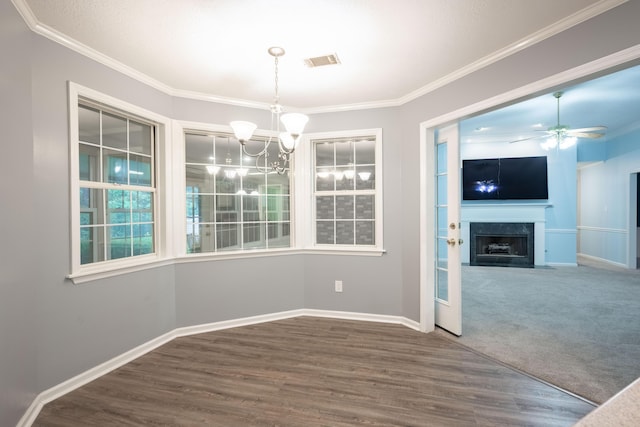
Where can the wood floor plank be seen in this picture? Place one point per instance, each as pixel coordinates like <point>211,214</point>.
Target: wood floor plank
<point>310,371</point>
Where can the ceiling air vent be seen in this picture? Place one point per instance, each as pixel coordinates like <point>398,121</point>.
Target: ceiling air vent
<point>322,60</point>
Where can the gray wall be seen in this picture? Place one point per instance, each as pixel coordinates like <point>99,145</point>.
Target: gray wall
<point>18,297</point>
<point>51,330</point>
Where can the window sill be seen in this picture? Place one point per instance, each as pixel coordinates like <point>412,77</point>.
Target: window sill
<point>332,250</point>
<point>92,273</point>
<point>221,256</point>
<point>102,272</point>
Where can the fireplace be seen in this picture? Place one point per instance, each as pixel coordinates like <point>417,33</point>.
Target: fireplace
<point>503,244</point>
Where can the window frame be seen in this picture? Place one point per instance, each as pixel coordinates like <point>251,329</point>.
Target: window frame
<point>80,273</point>
<point>180,129</point>
<point>308,210</point>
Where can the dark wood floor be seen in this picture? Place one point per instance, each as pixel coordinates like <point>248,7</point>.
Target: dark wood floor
<point>311,371</point>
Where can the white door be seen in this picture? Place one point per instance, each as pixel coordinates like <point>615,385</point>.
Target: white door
<point>448,289</point>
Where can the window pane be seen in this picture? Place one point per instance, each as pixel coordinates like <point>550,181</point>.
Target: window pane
<point>324,154</point>
<point>141,206</point>
<point>279,235</point>
<point>365,152</point>
<point>228,208</point>
<point>345,178</point>
<point>88,125</point>
<point>200,208</point>
<point>201,178</point>
<point>119,245</point>
<point>365,207</point>
<point>344,207</point>
<point>325,207</point>
<point>91,244</point>
<point>91,206</point>
<point>442,189</point>
<point>365,233</point>
<point>114,131</point>
<point>114,167</point>
<point>253,235</point>
<point>119,207</point>
<point>142,239</point>
<point>344,153</point>
<point>227,151</point>
<point>227,236</point>
<point>324,179</point>
<point>365,178</point>
<point>278,184</point>
<point>199,149</point>
<point>140,170</point>
<point>441,152</point>
<point>325,232</point>
<point>228,180</point>
<point>89,162</point>
<point>344,232</point>
<point>200,238</point>
<point>140,138</point>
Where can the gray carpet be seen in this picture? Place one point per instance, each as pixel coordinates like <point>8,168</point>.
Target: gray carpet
<point>574,327</point>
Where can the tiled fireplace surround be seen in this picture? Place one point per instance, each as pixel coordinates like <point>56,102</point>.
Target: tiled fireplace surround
<point>505,213</point>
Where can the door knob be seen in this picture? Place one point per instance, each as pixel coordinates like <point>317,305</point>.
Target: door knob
<point>460,241</point>
<point>451,242</point>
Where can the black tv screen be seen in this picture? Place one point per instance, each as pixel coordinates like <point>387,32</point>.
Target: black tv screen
<point>514,178</point>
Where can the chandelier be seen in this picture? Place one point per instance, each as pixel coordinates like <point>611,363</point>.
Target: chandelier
<point>287,141</point>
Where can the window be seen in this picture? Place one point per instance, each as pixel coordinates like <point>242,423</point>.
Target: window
<point>115,202</point>
<point>346,194</point>
<point>117,185</point>
<point>232,202</point>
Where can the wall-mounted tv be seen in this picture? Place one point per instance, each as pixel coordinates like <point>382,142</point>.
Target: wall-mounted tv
<point>514,178</point>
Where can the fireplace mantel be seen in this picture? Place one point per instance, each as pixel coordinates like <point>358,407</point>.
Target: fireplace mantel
<point>506,212</point>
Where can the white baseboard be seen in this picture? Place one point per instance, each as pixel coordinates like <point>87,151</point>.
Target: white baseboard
<point>104,368</point>
<point>603,260</point>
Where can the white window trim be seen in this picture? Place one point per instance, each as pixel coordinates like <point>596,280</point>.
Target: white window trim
<point>304,180</point>
<point>163,213</point>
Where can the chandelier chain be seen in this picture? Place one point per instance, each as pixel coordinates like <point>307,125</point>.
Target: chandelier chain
<point>276,79</point>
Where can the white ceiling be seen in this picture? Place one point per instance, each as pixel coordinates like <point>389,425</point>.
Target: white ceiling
<point>391,51</point>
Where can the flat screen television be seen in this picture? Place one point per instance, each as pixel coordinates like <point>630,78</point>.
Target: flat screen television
<point>514,178</point>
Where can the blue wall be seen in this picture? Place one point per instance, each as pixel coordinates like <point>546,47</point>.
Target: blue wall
<point>561,216</point>
<point>606,198</point>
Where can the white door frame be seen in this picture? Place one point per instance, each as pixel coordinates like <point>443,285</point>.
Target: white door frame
<point>426,257</point>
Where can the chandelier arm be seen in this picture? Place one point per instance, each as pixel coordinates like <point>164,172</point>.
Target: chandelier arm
<point>259,168</point>
<point>264,150</point>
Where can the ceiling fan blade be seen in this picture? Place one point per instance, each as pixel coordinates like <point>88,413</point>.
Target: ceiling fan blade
<point>528,139</point>
<point>587,135</point>
<point>590,129</point>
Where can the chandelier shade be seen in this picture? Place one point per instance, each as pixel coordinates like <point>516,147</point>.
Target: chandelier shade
<point>294,123</point>
<point>243,130</point>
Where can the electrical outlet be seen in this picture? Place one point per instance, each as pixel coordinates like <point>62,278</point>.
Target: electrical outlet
<point>338,285</point>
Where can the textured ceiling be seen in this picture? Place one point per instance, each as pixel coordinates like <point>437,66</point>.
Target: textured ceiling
<point>390,50</point>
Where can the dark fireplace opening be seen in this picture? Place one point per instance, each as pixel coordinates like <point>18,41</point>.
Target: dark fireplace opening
<point>507,244</point>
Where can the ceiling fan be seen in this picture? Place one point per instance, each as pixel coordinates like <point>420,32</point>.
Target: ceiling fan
<point>562,136</point>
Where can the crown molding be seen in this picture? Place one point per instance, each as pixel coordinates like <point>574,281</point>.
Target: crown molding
<point>583,15</point>
<point>545,33</point>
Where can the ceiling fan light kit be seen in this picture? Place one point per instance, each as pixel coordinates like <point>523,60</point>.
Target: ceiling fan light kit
<point>562,136</point>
